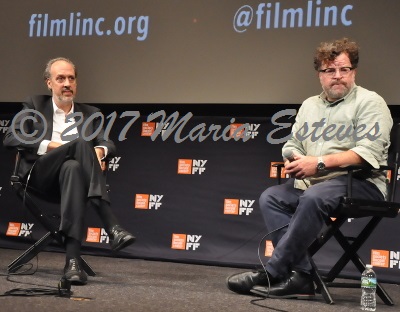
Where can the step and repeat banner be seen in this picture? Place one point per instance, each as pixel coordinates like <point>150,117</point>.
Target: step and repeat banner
<point>189,191</point>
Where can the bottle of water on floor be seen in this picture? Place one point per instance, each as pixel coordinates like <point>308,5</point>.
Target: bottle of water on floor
<point>368,289</point>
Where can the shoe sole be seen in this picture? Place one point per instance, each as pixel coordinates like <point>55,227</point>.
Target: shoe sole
<point>125,243</point>
<point>77,281</point>
<point>294,296</point>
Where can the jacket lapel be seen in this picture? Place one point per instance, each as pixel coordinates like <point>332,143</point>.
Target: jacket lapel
<point>48,113</point>
<point>77,109</point>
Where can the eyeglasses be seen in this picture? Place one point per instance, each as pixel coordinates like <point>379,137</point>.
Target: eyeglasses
<point>331,72</point>
<point>61,79</point>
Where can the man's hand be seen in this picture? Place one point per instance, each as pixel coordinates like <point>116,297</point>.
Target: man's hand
<point>302,166</point>
<point>53,145</point>
<point>100,155</point>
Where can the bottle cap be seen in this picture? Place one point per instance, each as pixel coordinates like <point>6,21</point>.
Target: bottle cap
<point>368,266</point>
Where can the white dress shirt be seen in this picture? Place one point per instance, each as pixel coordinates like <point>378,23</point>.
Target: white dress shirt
<point>59,126</point>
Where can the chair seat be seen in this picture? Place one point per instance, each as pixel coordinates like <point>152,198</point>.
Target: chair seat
<point>358,208</point>
<point>20,186</point>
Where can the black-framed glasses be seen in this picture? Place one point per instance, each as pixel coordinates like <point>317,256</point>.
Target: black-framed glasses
<point>343,71</point>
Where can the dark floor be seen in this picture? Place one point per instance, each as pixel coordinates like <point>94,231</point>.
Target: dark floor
<point>140,285</point>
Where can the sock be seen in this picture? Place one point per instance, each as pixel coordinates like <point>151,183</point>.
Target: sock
<point>105,213</point>
<point>72,248</point>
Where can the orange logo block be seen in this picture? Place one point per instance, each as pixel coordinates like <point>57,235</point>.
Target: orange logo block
<point>93,235</point>
<point>233,131</point>
<point>388,175</point>
<point>380,258</point>
<point>231,206</point>
<point>178,241</point>
<point>269,248</point>
<point>273,171</point>
<point>142,201</point>
<point>184,166</point>
<point>13,229</point>
<point>148,128</point>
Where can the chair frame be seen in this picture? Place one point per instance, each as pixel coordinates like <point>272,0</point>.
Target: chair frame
<point>352,208</point>
<point>52,235</point>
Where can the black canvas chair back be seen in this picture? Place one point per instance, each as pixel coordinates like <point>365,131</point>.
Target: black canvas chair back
<point>31,200</point>
<point>351,207</point>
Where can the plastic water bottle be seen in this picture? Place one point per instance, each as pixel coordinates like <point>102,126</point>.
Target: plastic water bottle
<point>368,289</point>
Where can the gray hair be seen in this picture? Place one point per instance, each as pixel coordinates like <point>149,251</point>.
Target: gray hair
<point>46,74</point>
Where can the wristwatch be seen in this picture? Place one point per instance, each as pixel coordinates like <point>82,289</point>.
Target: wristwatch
<point>320,164</point>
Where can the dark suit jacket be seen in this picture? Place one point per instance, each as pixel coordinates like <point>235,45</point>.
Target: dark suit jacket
<point>43,104</point>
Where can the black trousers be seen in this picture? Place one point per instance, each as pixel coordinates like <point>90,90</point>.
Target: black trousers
<point>73,173</point>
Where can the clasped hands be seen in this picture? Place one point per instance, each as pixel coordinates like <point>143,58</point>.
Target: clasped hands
<point>302,166</point>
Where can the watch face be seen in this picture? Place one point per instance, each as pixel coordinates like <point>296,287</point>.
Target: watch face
<point>321,166</point>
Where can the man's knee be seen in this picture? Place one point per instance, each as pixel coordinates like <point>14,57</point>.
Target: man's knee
<point>271,194</point>
<point>264,198</point>
<point>82,143</point>
<point>70,165</point>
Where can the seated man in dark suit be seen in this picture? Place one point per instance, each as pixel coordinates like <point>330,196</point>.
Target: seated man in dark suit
<point>66,164</point>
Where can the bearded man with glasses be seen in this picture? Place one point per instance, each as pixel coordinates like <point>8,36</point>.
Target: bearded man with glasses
<point>353,128</point>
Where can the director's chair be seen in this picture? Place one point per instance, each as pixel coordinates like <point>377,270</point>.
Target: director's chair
<point>29,197</point>
<point>355,208</point>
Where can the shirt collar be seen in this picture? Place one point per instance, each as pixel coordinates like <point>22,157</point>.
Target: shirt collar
<point>323,97</point>
<point>59,111</point>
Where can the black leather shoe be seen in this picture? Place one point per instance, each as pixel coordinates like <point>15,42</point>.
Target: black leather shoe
<point>299,285</point>
<point>73,272</point>
<point>242,283</point>
<point>120,238</point>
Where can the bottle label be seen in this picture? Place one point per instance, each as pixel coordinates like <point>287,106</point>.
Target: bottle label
<point>369,282</point>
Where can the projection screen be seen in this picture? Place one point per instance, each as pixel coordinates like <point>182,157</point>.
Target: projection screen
<point>195,51</point>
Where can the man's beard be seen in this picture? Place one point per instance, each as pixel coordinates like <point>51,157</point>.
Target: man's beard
<point>337,94</point>
<point>66,99</point>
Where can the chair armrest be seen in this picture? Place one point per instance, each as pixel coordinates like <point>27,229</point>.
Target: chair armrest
<point>15,177</point>
<point>363,167</point>
<point>106,161</point>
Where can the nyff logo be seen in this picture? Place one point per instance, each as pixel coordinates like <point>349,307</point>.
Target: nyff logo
<point>148,201</point>
<point>385,258</point>
<point>97,235</point>
<point>164,128</point>
<point>185,241</point>
<point>19,229</point>
<point>114,163</point>
<point>4,125</point>
<point>191,166</point>
<point>251,131</point>
<point>238,206</point>
<point>148,128</point>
